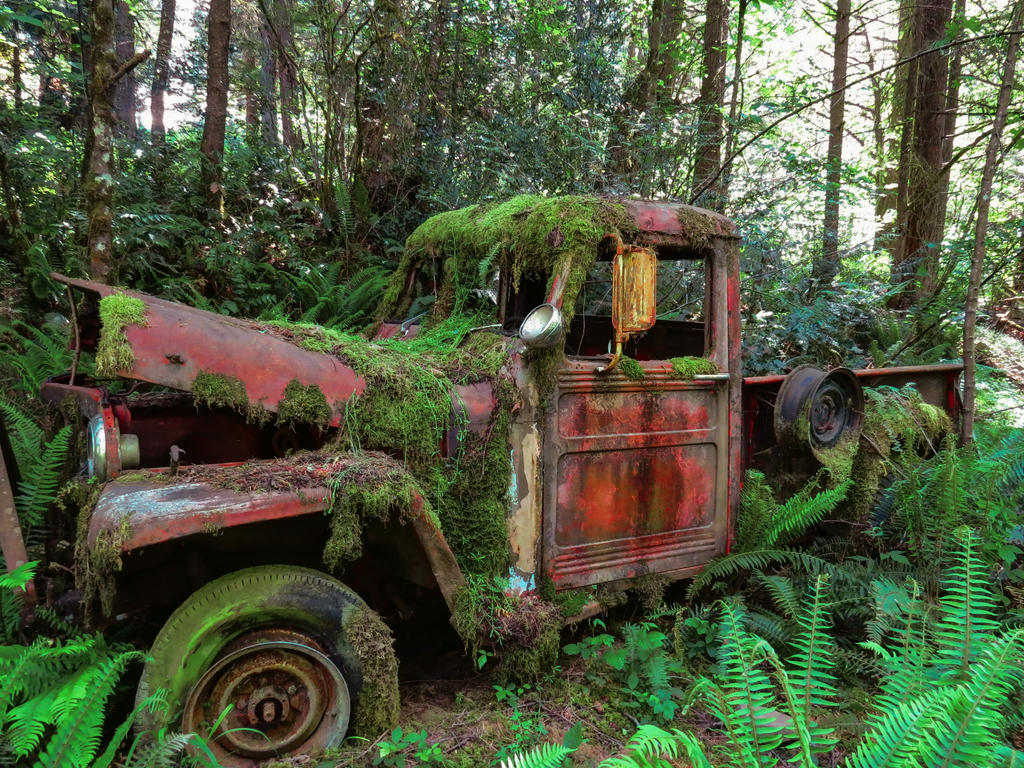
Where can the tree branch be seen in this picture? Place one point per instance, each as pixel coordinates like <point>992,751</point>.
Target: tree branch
<point>793,112</point>
<point>128,65</point>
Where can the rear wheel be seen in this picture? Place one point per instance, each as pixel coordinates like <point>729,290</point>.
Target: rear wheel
<point>266,663</point>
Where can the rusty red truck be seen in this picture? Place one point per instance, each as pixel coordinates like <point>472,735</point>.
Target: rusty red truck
<point>551,399</point>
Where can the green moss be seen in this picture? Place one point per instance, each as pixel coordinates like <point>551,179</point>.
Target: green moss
<point>303,404</point>
<point>898,427</point>
<point>631,369</point>
<point>686,368</point>
<point>95,565</point>
<point>523,630</point>
<point>376,703</point>
<point>215,390</point>
<point>696,226</point>
<point>368,487</point>
<point>528,234</point>
<point>114,353</point>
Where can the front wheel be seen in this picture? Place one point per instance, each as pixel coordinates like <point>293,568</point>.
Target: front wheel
<point>270,662</point>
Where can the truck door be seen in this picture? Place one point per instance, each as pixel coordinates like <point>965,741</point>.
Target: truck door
<point>639,461</point>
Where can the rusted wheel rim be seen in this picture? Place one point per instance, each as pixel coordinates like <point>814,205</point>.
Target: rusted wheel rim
<point>270,693</point>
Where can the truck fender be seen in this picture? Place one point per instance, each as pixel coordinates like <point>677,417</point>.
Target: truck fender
<point>149,508</point>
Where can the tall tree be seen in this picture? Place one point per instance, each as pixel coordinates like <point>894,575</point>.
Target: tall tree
<point>125,90</point>
<point>653,84</point>
<point>826,265</point>
<point>268,85</point>
<point>288,77</point>
<point>992,153</point>
<point>212,145</point>
<point>707,159</point>
<point>162,70</point>
<point>922,183</point>
<point>106,71</point>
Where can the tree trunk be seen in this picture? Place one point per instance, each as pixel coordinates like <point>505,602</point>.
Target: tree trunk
<point>735,100</point>
<point>707,161</point>
<point>992,152</point>
<point>826,267</point>
<point>125,98</point>
<point>16,69</point>
<point>161,70</point>
<point>652,85</point>
<point>923,185</point>
<point>98,181</point>
<point>212,144</point>
<point>268,87</point>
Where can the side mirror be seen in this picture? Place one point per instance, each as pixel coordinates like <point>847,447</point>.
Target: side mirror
<point>634,299</point>
<point>543,327</point>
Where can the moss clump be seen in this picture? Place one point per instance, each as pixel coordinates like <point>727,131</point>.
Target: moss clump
<point>114,353</point>
<point>631,369</point>
<point>696,226</point>
<point>215,390</point>
<point>95,565</point>
<point>528,234</point>
<point>686,368</point>
<point>369,487</point>
<point>898,427</point>
<point>377,704</point>
<point>523,629</point>
<point>303,404</point>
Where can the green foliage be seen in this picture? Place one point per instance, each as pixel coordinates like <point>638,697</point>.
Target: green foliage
<point>524,721</point>
<point>764,527</point>
<point>40,463</point>
<point>28,355</point>
<point>640,665</point>
<point>408,748</point>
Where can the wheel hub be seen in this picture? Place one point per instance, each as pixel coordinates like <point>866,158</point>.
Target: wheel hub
<point>269,692</point>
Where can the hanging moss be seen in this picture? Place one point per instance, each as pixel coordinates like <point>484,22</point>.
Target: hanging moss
<point>369,487</point>
<point>215,390</point>
<point>631,369</point>
<point>303,404</point>
<point>114,353</point>
<point>377,703</point>
<point>686,368</point>
<point>898,427</point>
<point>528,234</point>
<point>95,565</point>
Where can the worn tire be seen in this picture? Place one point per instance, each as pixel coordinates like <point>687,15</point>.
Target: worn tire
<point>292,655</point>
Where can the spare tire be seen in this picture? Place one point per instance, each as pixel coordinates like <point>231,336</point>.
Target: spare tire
<point>815,410</point>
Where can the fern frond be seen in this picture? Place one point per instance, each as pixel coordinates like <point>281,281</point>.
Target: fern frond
<point>783,592</point>
<point>801,512</point>
<point>42,479</point>
<point>895,736</point>
<point>541,756</point>
<point>813,662</point>
<point>25,434</point>
<point>749,700</point>
<point>79,723</point>
<point>968,608</point>
<point>968,728</point>
<point>650,744</point>
<point>756,560</point>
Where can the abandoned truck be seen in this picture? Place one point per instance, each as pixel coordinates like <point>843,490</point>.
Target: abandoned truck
<point>551,399</point>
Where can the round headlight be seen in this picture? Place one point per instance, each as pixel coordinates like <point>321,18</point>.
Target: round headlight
<point>96,454</point>
<point>543,327</point>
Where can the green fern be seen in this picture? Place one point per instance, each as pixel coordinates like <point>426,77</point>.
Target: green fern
<point>541,756</point>
<point>41,479</point>
<point>812,663</point>
<point>968,619</point>
<point>650,744</point>
<point>756,560</point>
